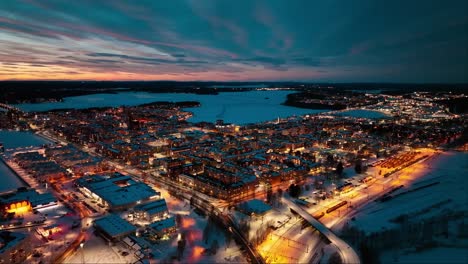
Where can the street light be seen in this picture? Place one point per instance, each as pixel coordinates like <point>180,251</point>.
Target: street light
<point>82,252</point>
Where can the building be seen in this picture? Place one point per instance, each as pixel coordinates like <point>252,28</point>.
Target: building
<point>117,191</point>
<point>113,228</point>
<point>254,207</point>
<point>24,200</point>
<point>163,227</point>
<point>151,211</point>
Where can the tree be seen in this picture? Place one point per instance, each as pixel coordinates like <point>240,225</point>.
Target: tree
<point>269,195</point>
<point>207,232</point>
<point>181,247</point>
<point>317,183</point>
<point>369,255</point>
<point>294,190</point>
<point>335,259</point>
<point>280,192</point>
<point>358,167</point>
<point>339,168</point>
<point>228,238</point>
<point>214,246</point>
<point>244,227</point>
<point>178,219</point>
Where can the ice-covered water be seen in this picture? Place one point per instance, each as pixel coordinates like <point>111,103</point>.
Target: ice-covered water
<point>232,107</point>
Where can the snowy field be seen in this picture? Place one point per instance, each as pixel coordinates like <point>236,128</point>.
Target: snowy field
<point>429,216</point>
<point>431,256</point>
<point>96,250</point>
<point>450,169</point>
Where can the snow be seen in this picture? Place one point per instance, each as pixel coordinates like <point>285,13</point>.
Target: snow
<point>9,181</point>
<point>449,168</point>
<point>434,255</point>
<point>232,107</point>
<point>96,250</point>
<point>20,139</point>
<point>192,226</point>
<point>438,192</point>
<point>254,206</point>
<point>114,226</point>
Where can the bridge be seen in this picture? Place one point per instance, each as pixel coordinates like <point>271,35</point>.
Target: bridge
<point>10,108</point>
<point>347,253</point>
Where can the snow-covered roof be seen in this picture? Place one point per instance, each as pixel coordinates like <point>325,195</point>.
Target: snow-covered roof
<point>254,206</point>
<point>30,195</point>
<point>163,224</point>
<point>117,195</point>
<point>114,226</point>
<point>153,207</point>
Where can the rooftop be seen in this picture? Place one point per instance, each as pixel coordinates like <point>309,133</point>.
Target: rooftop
<point>114,226</point>
<point>163,224</point>
<point>118,190</point>
<point>30,195</point>
<point>254,206</point>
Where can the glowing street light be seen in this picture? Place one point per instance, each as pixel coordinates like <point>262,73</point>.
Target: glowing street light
<point>82,252</point>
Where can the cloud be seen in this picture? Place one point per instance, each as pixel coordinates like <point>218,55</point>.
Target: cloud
<point>241,40</point>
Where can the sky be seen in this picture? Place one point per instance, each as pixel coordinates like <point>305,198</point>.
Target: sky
<point>242,40</point>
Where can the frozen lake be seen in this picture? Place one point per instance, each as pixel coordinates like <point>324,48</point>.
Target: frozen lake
<point>15,139</point>
<point>19,139</point>
<point>232,107</point>
<point>8,180</point>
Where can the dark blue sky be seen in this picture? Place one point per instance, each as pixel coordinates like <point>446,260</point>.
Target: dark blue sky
<point>328,40</point>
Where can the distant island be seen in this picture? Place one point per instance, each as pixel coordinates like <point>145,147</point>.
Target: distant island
<point>333,96</point>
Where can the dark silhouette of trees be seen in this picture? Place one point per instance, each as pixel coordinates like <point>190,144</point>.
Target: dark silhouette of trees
<point>294,190</point>
<point>280,192</point>
<point>339,168</point>
<point>214,246</point>
<point>335,259</point>
<point>269,195</point>
<point>358,167</point>
<point>369,255</point>
<point>181,247</point>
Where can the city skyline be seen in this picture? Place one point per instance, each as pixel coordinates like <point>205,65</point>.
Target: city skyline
<point>335,41</point>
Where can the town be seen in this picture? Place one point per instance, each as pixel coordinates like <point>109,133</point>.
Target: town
<point>148,184</point>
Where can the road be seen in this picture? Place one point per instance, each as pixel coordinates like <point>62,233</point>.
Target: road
<point>347,253</point>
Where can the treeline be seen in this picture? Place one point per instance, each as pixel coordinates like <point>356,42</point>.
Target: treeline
<point>14,92</point>
<point>297,100</point>
<point>165,104</point>
<point>456,105</point>
<point>417,234</point>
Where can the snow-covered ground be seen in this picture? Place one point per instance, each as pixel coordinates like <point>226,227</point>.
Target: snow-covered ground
<point>96,250</point>
<point>193,225</point>
<point>450,169</point>
<point>435,256</point>
<point>426,215</point>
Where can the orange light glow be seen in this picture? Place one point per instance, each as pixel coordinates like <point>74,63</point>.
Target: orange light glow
<point>188,222</point>
<point>19,207</point>
<point>197,252</point>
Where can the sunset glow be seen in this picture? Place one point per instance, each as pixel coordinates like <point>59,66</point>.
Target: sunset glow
<point>251,40</point>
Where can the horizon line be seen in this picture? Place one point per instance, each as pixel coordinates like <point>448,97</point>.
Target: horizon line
<point>253,82</point>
